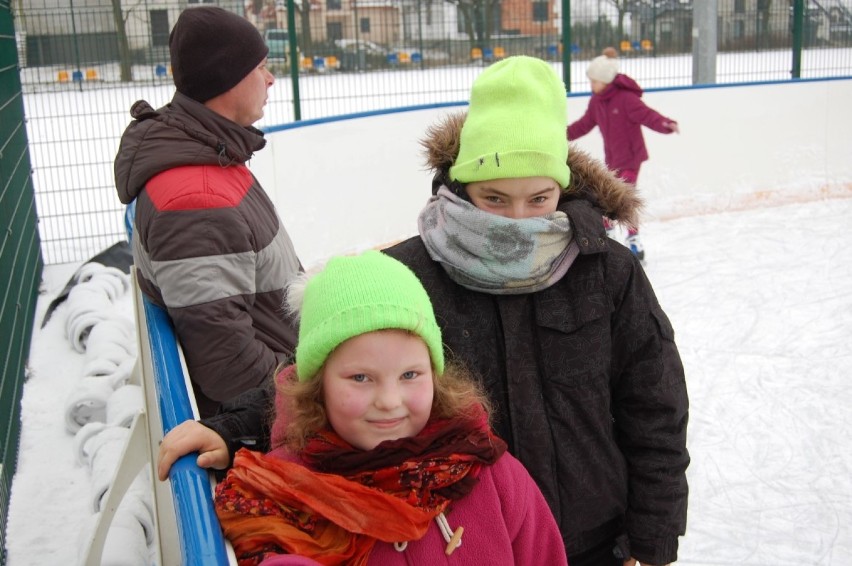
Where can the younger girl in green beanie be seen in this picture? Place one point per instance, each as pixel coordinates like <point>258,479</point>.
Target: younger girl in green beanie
<point>385,452</point>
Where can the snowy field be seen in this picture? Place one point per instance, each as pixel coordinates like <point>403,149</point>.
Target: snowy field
<point>761,302</point>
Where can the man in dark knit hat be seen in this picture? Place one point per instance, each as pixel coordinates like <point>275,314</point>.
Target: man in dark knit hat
<point>208,244</point>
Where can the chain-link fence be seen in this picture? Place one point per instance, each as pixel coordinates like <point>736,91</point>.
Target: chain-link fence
<point>85,63</point>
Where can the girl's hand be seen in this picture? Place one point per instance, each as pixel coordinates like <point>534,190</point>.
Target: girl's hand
<point>673,127</point>
<point>187,437</point>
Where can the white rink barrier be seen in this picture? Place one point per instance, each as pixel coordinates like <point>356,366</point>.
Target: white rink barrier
<point>739,146</point>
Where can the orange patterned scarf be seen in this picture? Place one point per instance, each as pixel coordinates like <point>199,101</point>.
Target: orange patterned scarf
<point>336,508</point>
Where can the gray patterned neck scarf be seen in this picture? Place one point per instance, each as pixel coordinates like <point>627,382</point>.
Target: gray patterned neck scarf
<point>492,254</point>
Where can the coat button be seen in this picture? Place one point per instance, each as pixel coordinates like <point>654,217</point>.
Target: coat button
<point>584,242</point>
<point>466,333</point>
<point>600,241</point>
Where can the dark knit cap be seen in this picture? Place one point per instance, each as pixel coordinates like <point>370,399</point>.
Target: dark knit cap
<point>212,50</point>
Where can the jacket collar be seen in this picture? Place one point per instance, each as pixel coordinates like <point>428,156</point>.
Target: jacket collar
<point>186,133</point>
<point>231,141</point>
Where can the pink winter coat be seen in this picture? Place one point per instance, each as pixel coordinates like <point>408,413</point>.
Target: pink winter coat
<point>506,522</point>
<point>620,114</point>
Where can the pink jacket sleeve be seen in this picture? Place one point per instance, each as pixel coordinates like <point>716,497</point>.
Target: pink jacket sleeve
<point>638,112</point>
<point>583,126</point>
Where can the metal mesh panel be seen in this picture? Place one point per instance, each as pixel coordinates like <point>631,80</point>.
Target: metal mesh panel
<point>82,71</point>
<point>20,260</point>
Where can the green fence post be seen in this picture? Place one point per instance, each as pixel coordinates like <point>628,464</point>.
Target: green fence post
<point>798,34</point>
<point>20,259</point>
<point>295,61</point>
<point>420,35</point>
<point>654,39</point>
<point>566,44</point>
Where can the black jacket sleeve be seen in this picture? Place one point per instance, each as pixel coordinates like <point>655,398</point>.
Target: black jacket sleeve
<point>650,408</point>
<point>245,421</point>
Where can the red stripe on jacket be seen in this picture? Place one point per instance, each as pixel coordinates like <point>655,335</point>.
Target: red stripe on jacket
<point>194,187</point>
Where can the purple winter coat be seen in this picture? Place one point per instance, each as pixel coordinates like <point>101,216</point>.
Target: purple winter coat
<point>620,114</point>
<point>506,522</point>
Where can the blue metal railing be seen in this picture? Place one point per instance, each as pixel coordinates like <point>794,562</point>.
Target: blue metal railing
<point>199,533</point>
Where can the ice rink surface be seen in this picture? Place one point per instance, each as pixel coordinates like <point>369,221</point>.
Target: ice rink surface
<point>761,303</point>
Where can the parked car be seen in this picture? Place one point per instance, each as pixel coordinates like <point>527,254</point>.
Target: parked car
<point>411,54</point>
<point>278,41</point>
<point>352,45</point>
<point>360,55</point>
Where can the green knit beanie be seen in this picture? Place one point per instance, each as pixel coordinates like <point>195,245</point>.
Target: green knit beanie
<point>354,295</point>
<point>515,125</point>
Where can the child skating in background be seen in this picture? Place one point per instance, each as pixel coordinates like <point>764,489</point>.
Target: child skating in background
<point>385,455</point>
<point>616,108</point>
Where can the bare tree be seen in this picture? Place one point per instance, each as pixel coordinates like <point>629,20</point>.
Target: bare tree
<point>763,9</point>
<point>622,7</point>
<point>303,7</point>
<point>124,60</point>
<point>478,19</point>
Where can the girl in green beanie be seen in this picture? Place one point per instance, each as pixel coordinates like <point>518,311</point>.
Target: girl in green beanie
<point>560,321</point>
<point>385,454</point>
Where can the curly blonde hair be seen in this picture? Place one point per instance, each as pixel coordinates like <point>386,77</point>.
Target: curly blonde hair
<point>458,394</point>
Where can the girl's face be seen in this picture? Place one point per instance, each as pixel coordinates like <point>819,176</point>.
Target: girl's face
<point>597,86</point>
<point>524,197</point>
<point>378,386</point>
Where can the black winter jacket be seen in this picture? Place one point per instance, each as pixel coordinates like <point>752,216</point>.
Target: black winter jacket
<point>585,375</point>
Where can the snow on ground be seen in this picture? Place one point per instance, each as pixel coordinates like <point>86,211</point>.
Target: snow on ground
<point>51,492</point>
<point>761,302</point>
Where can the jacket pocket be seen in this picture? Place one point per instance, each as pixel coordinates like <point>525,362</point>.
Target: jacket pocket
<point>567,314</point>
<point>574,341</point>
<point>663,324</point>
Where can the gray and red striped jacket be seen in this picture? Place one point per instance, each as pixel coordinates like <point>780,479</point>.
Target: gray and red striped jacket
<point>208,244</point>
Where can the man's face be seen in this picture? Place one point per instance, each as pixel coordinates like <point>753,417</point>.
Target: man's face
<point>244,103</point>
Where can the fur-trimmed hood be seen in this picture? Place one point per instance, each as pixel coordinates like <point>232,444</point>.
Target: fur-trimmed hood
<point>590,179</point>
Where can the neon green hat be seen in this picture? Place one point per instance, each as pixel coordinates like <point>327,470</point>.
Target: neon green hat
<point>516,125</point>
<point>360,294</point>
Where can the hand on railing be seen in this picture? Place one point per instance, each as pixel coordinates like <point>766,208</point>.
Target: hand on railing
<point>189,437</point>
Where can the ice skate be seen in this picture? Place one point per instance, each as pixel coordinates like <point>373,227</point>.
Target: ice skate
<point>635,245</point>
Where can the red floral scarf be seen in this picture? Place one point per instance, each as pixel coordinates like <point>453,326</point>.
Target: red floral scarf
<point>342,500</point>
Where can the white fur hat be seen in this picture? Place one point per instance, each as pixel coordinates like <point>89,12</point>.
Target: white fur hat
<point>604,67</point>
